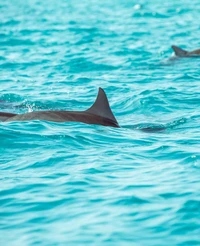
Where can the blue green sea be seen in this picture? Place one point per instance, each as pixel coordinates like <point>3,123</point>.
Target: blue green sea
<point>77,184</point>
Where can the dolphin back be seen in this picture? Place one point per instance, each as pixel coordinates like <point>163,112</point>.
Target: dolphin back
<point>102,108</point>
<point>179,52</point>
<point>4,116</point>
<point>99,113</point>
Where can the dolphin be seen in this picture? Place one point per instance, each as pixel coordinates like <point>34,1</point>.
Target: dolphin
<point>183,53</point>
<point>99,113</point>
<point>4,116</point>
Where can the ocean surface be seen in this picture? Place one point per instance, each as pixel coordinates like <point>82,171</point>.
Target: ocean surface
<point>78,184</point>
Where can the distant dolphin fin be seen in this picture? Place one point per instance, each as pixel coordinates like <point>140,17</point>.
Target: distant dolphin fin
<point>101,107</point>
<point>4,116</point>
<point>178,51</point>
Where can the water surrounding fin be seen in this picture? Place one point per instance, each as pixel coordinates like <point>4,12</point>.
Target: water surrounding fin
<point>4,116</point>
<point>179,52</point>
<point>101,107</point>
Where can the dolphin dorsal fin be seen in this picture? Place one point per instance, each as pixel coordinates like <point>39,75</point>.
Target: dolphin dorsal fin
<point>101,107</point>
<point>178,51</point>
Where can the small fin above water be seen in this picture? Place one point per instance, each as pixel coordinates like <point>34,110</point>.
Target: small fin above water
<point>179,52</point>
<point>101,107</point>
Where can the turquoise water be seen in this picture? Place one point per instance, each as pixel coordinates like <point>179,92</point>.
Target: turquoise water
<point>78,184</point>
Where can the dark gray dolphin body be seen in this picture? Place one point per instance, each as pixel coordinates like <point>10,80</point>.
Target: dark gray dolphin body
<point>99,113</point>
<point>183,53</point>
<point>4,116</point>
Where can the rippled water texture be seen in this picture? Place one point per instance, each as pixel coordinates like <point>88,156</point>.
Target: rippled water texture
<point>78,184</point>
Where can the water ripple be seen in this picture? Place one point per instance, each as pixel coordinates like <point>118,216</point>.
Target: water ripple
<point>78,184</point>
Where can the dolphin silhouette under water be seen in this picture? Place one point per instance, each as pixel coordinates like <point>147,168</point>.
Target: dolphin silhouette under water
<point>99,113</point>
<point>183,53</point>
